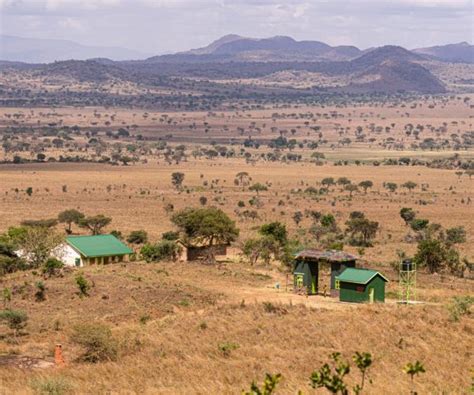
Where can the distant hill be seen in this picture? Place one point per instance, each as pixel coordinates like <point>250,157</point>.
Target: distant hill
<point>278,48</point>
<point>34,50</point>
<point>461,52</point>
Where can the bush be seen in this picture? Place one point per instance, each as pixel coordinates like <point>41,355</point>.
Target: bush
<point>164,250</point>
<point>227,347</point>
<point>170,236</point>
<point>52,267</point>
<point>50,385</point>
<point>460,305</point>
<point>138,237</point>
<point>15,319</point>
<point>97,341</point>
<point>83,285</point>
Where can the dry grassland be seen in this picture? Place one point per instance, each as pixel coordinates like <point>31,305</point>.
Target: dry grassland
<point>192,310</point>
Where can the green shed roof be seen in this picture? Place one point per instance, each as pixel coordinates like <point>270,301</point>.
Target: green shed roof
<point>99,245</point>
<point>359,276</point>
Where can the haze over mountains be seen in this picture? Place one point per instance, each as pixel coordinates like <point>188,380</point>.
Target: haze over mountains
<point>36,50</point>
<point>264,64</point>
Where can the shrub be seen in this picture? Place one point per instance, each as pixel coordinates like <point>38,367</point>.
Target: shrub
<point>227,347</point>
<point>52,267</point>
<point>83,285</point>
<point>164,250</point>
<point>40,293</point>
<point>50,385</point>
<point>459,306</point>
<point>138,237</point>
<point>268,387</point>
<point>97,341</point>
<point>15,319</point>
<point>171,235</point>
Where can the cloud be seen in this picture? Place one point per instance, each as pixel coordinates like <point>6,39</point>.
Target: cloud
<point>171,25</point>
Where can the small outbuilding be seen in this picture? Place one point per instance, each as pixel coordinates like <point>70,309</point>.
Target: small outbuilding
<point>100,249</point>
<point>361,285</point>
<point>307,264</point>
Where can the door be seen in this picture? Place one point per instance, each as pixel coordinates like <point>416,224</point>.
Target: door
<point>77,262</point>
<point>371,295</point>
<point>299,280</point>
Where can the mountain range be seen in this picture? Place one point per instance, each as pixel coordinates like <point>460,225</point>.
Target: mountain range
<point>387,69</point>
<point>36,50</point>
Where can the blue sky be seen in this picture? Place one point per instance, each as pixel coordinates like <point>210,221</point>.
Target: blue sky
<point>160,26</point>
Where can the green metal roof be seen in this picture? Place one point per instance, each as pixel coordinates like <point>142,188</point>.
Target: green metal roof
<point>359,276</point>
<point>99,245</point>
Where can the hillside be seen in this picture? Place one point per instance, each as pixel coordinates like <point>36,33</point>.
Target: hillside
<point>461,52</point>
<point>217,335</point>
<point>278,48</point>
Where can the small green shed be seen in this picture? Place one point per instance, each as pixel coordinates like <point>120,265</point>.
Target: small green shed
<point>361,285</point>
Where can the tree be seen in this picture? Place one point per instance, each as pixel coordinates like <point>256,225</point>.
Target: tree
<point>343,181</point>
<point>277,230</point>
<point>410,185</point>
<point>95,223</point>
<point>431,254</point>
<point>366,185</point>
<point>137,237</point>
<point>258,187</point>
<point>177,179</point>
<point>69,217</point>
<point>242,178</point>
<point>164,250</point>
<point>328,181</point>
<point>456,235</point>
<point>391,186</point>
<point>261,248</point>
<point>407,214</point>
<point>361,229</point>
<point>37,243</point>
<point>297,217</point>
<point>351,188</point>
<point>414,369</point>
<point>208,226</point>
<point>418,224</point>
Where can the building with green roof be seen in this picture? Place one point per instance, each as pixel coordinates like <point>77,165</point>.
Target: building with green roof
<point>361,285</point>
<point>97,249</point>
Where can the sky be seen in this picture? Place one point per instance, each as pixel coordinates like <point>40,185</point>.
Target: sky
<point>164,26</point>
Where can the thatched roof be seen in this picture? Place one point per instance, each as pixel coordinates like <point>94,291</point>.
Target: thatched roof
<point>328,255</point>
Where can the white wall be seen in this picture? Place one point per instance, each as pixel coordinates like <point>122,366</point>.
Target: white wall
<point>67,255</point>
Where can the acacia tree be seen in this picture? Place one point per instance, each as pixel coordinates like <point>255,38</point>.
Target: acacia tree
<point>366,185</point>
<point>70,217</point>
<point>177,179</point>
<point>95,223</point>
<point>361,229</point>
<point>407,214</point>
<point>242,178</point>
<point>205,226</point>
<point>37,243</point>
<point>410,185</point>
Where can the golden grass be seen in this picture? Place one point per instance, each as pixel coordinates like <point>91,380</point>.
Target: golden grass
<point>177,351</point>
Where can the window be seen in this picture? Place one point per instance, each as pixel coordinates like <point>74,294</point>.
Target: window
<point>360,288</point>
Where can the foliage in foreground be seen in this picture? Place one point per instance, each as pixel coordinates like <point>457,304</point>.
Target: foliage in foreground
<point>332,378</point>
<point>97,341</point>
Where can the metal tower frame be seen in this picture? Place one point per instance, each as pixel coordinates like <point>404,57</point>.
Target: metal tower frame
<point>407,282</point>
